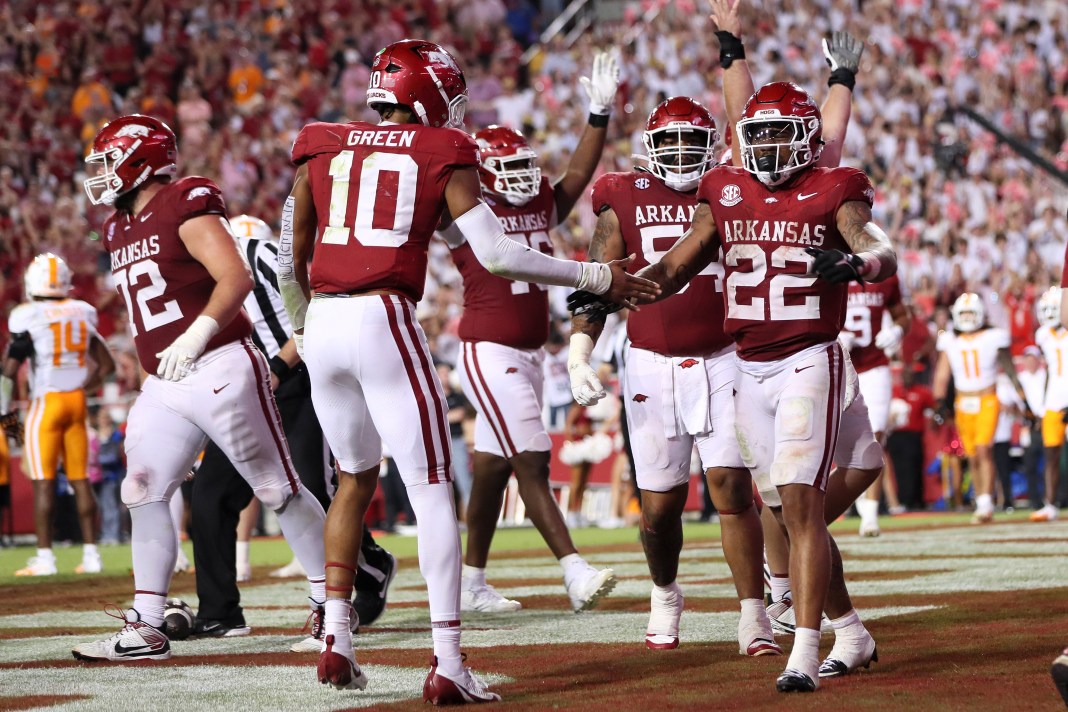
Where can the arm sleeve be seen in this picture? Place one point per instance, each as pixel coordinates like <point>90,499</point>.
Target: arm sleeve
<point>293,298</point>
<point>507,258</point>
<point>21,346</point>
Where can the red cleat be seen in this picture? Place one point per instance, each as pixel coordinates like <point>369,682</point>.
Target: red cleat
<point>340,670</point>
<point>467,690</point>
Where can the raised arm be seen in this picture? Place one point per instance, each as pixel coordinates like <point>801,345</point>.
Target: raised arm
<point>843,52</point>
<point>601,88</point>
<point>296,243</point>
<point>872,258</point>
<point>737,79</point>
<point>692,253</point>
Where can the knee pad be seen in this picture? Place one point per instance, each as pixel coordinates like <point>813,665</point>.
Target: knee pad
<point>276,496</point>
<point>135,488</point>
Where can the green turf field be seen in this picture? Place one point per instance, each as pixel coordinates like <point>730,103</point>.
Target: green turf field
<point>966,618</point>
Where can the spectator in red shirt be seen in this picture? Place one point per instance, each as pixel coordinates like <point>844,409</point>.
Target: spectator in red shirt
<point>910,409</point>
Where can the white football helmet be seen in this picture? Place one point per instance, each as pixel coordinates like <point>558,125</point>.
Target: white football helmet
<point>248,226</point>
<point>1049,307</point>
<point>48,276</point>
<point>968,313</point>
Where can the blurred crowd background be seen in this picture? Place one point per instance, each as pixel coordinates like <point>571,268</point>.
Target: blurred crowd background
<point>238,79</point>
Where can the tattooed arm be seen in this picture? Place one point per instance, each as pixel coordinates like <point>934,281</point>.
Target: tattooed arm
<point>692,253</point>
<point>605,246</point>
<point>867,241</point>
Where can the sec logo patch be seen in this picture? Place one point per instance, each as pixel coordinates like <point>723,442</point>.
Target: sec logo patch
<point>731,195</point>
<point>641,183</point>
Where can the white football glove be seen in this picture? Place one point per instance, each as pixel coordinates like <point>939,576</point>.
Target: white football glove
<point>585,386</point>
<point>601,88</point>
<point>846,339</point>
<point>176,361</point>
<point>890,338</point>
<point>298,341</point>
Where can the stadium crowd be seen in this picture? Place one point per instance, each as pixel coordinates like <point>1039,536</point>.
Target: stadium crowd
<point>238,80</point>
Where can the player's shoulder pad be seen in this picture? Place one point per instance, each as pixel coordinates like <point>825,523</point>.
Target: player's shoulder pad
<point>21,318</point>
<point>609,187</point>
<point>944,340</point>
<point>852,184</point>
<point>712,182</point>
<point>458,147</point>
<point>196,195</point>
<point>316,138</point>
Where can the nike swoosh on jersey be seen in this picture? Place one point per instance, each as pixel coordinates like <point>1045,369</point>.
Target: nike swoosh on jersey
<point>146,216</point>
<point>216,390</point>
<point>802,368</point>
<point>802,196</point>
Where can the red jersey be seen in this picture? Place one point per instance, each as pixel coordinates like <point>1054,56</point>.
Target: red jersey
<point>496,309</point>
<point>379,193</point>
<point>165,287</point>
<point>864,317</point>
<point>775,307</point>
<point>652,217</point>
<point>919,400</point>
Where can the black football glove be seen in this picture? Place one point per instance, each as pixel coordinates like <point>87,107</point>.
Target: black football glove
<point>590,305</point>
<point>836,266</point>
<point>12,427</point>
<point>1064,416</point>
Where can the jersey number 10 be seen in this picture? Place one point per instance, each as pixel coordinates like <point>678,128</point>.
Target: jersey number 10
<point>374,209</point>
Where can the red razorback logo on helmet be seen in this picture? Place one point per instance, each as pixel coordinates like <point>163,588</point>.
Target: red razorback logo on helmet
<point>640,398</point>
<point>511,369</point>
<point>689,363</point>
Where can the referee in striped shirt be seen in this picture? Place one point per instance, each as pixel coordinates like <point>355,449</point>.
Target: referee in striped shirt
<point>220,493</point>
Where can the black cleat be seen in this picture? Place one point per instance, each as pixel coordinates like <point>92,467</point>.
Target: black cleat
<point>833,667</point>
<point>794,681</point>
<point>368,603</point>
<point>218,629</point>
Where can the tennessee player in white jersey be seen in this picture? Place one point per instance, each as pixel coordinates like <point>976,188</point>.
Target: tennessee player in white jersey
<point>971,355</point>
<point>365,203</point>
<point>503,328</point>
<point>57,335</point>
<point>1052,338</point>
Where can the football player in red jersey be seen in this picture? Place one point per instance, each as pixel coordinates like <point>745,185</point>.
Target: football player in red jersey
<point>503,328</point>
<point>365,203</point>
<point>677,373</point>
<point>176,264</point>
<point>868,342</point>
<point>795,234</point>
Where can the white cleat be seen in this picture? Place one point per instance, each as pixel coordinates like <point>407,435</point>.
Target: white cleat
<point>136,641</point>
<point>314,642</point>
<point>781,614</point>
<point>849,655</point>
<point>664,615</point>
<point>467,689</point>
<point>589,587</point>
<point>870,529</point>
<point>91,563</point>
<point>38,566</point>
<point>485,599</point>
<point>244,571</point>
<point>1048,513</point>
<point>181,563</point>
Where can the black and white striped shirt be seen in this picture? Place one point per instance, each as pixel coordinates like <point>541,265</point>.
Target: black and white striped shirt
<point>270,323</point>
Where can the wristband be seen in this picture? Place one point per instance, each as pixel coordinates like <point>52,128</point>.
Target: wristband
<point>842,76</point>
<point>280,368</point>
<point>598,121</point>
<point>730,48</point>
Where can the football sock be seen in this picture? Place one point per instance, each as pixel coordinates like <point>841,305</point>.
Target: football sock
<point>868,509</point>
<point>753,609</point>
<point>805,655</point>
<point>89,549</point>
<point>242,552</point>
<point>301,521</point>
<point>848,626</point>
<point>666,593</point>
<point>46,554</point>
<point>336,621</point>
<point>473,577</point>
<point>439,562</point>
<point>984,503</point>
<point>573,565</point>
<point>154,548</point>
<point>780,586</point>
